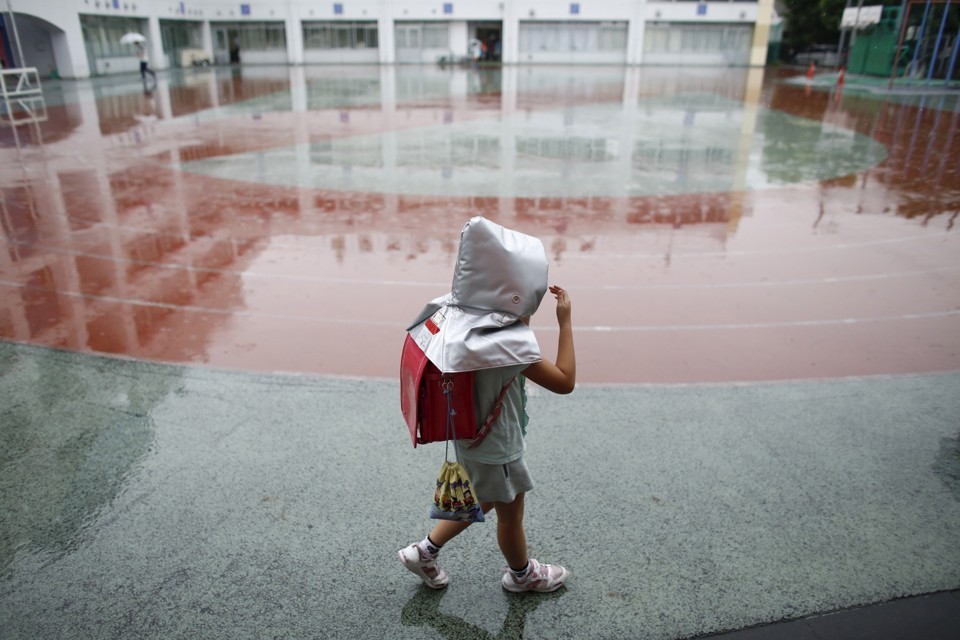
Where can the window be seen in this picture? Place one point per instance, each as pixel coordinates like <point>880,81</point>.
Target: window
<point>257,36</point>
<point>613,36</point>
<point>102,35</point>
<point>573,36</point>
<point>340,35</point>
<point>426,35</point>
<point>697,38</point>
<point>180,34</point>
<point>435,36</point>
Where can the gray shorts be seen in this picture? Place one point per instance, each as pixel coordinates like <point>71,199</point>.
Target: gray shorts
<point>498,482</point>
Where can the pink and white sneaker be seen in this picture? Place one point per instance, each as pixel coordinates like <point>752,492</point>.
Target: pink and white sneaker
<point>539,577</point>
<point>429,570</point>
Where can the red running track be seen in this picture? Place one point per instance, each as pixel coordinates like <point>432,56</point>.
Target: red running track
<point>108,247</point>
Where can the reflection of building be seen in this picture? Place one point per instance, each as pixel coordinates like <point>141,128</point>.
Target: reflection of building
<point>94,262</point>
<point>100,246</point>
<point>713,32</point>
<point>605,142</point>
<point>109,247</point>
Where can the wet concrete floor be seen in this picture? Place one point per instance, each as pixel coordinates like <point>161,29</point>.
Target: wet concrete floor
<point>144,500</point>
<point>765,285</point>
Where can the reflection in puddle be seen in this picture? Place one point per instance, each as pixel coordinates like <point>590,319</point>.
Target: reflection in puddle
<point>423,610</point>
<point>231,217</point>
<point>947,466</point>
<point>69,446</point>
<point>664,146</point>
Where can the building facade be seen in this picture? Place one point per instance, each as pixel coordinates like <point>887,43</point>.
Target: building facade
<point>81,38</point>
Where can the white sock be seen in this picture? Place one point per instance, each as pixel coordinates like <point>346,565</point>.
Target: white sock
<point>428,549</point>
<point>519,575</point>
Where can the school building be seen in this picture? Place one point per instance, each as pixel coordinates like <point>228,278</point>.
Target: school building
<point>81,38</point>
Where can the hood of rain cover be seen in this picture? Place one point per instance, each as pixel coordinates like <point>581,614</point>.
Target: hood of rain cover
<point>500,276</point>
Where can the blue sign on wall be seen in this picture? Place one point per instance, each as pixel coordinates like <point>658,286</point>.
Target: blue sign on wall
<point>116,4</point>
<point>244,9</point>
<point>338,9</point>
<point>183,7</point>
<point>575,9</point>
<point>701,9</point>
<point>448,7</point>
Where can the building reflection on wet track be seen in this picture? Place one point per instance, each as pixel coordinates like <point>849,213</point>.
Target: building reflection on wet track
<point>712,224</point>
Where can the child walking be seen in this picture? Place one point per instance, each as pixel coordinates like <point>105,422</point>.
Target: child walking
<point>496,466</point>
<point>144,64</point>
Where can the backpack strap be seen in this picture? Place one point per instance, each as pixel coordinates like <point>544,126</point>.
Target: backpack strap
<point>494,414</point>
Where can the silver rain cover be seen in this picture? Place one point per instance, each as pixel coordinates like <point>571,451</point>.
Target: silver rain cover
<point>501,275</point>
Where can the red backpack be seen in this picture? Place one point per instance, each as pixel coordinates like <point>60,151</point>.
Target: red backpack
<point>439,406</point>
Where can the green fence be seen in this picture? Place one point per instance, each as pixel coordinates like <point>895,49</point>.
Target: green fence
<point>875,48</point>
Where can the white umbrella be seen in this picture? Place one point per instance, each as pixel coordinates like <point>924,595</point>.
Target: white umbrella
<point>130,38</point>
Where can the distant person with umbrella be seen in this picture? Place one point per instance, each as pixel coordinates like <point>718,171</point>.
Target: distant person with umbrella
<point>144,67</point>
<point>137,40</point>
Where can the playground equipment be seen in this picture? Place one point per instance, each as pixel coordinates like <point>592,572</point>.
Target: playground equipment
<point>21,99</point>
<point>915,41</point>
<point>931,57</point>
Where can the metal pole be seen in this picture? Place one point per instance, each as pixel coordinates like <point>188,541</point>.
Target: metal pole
<point>916,128</point>
<point>853,32</point>
<point>953,57</point>
<point>916,49</point>
<point>16,36</point>
<point>904,17</point>
<point>936,47</point>
<point>843,37</point>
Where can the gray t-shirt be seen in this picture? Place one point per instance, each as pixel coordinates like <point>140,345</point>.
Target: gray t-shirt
<point>505,442</point>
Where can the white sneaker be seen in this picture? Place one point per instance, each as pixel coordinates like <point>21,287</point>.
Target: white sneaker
<point>539,577</point>
<point>428,570</point>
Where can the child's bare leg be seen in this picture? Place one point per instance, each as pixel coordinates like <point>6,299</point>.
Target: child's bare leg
<point>510,533</point>
<point>447,530</point>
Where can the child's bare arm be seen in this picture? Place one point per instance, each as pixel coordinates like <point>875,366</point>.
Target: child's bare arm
<point>559,377</point>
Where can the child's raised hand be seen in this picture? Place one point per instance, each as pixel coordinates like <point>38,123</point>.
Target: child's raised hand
<point>559,376</point>
<point>563,303</point>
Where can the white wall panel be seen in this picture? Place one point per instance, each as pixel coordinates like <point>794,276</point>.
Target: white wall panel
<point>71,58</point>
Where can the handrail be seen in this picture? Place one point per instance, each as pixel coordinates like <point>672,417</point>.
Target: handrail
<point>25,98</point>
<point>25,86</point>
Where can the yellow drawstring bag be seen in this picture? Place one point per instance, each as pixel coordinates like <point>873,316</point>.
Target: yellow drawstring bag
<point>453,499</point>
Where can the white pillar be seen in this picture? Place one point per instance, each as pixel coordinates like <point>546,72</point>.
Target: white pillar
<point>157,59</point>
<point>388,90</point>
<point>162,91</point>
<point>294,40</point>
<point>761,33</point>
<point>213,88</point>
<point>298,95</point>
<point>207,34</point>
<point>385,35</point>
<point>636,30</point>
<point>510,35</point>
<point>459,39</point>
<point>753,95</point>
<point>69,50</point>
<point>509,122</point>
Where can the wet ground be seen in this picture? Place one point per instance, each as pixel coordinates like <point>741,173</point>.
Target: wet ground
<point>713,225</point>
<point>765,281</point>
